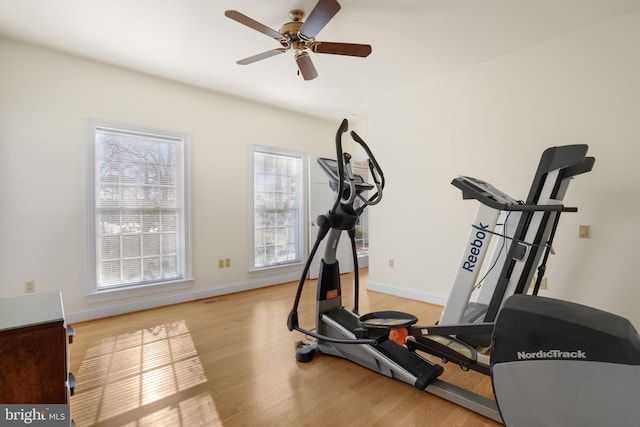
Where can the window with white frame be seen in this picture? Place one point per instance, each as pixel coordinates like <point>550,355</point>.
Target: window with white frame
<point>362,227</point>
<point>277,207</point>
<point>138,206</point>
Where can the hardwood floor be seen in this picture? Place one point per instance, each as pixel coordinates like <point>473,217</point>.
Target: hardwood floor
<point>229,361</point>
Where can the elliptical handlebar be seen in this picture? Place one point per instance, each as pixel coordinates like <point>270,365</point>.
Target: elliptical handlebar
<point>339,160</point>
<point>376,174</point>
<point>345,173</point>
<point>374,166</point>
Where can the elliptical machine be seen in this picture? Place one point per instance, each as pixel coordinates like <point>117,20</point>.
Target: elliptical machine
<point>333,320</point>
<point>550,360</point>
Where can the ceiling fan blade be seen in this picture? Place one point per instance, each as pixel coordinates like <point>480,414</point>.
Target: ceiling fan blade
<point>319,17</point>
<point>349,49</point>
<point>306,66</point>
<point>252,23</point>
<point>260,56</point>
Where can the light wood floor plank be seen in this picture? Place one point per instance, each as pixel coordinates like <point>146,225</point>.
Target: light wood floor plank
<point>229,361</point>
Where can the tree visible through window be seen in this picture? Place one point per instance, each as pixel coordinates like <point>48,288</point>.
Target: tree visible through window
<point>139,206</point>
<point>277,208</point>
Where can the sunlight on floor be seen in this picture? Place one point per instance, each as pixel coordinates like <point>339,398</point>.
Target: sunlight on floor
<point>126,372</point>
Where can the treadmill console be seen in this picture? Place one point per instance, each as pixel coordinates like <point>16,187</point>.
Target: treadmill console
<point>473,188</point>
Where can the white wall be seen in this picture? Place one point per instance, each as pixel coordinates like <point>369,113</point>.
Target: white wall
<point>46,99</point>
<point>493,121</point>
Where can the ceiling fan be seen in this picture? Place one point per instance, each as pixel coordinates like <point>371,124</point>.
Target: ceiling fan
<point>299,36</point>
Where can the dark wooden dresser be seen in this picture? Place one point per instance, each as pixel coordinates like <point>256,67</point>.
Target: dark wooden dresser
<point>34,364</point>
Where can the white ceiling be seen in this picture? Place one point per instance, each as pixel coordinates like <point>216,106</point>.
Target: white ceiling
<point>193,42</point>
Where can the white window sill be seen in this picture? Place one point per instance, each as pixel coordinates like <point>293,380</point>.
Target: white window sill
<point>98,296</point>
<point>295,266</point>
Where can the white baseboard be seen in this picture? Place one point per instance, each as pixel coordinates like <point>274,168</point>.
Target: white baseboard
<point>406,293</point>
<point>120,307</point>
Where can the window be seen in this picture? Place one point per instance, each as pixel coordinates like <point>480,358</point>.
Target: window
<point>138,206</point>
<point>277,207</point>
<point>362,228</point>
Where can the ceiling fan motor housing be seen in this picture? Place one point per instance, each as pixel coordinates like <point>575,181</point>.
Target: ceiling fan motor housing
<point>291,32</point>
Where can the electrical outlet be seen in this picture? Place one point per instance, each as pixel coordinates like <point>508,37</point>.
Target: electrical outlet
<point>227,262</point>
<point>543,283</point>
<point>392,263</point>
<point>220,263</point>
<point>30,287</point>
<point>584,232</point>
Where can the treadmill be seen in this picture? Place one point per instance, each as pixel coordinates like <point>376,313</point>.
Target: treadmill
<point>525,238</point>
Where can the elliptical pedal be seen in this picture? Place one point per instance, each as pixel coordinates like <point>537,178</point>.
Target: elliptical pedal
<point>449,349</point>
